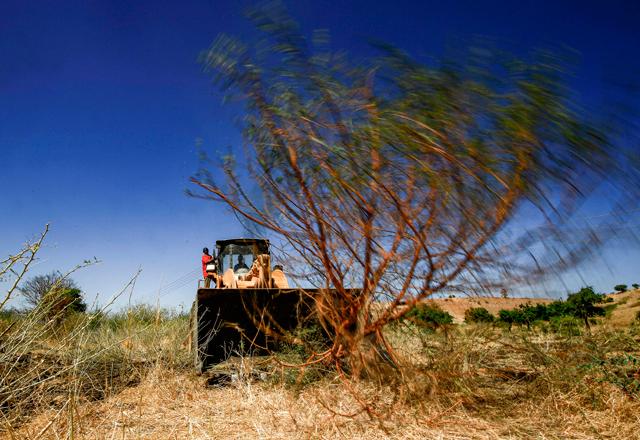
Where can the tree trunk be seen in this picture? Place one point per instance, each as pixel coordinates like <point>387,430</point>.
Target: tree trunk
<point>586,324</point>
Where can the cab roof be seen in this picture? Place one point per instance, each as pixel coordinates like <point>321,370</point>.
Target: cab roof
<point>242,241</point>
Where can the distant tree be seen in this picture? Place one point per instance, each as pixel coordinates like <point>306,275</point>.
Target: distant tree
<point>478,314</point>
<point>620,287</point>
<point>519,317</point>
<point>583,305</point>
<point>557,309</point>
<point>37,287</point>
<point>507,317</point>
<point>54,293</point>
<point>504,293</point>
<point>430,315</point>
<point>527,314</point>
<point>541,312</point>
<point>635,286</point>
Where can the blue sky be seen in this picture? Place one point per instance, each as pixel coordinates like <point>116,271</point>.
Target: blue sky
<point>102,103</point>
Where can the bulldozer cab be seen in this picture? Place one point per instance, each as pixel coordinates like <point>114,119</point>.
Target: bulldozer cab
<point>250,307</point>
<point>239,254</point>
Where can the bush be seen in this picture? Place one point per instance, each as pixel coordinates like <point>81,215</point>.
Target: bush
<point>620,287</point>
<point>508,317</point>
<point>635,285</point>
<point>430,316</point>
<point>609,308</point>
<point>478,314</point>
<point>558,308</point>
<point>9,314</point>
<point>304,341</point>
<point>527,314</point>
<point>565,325</point>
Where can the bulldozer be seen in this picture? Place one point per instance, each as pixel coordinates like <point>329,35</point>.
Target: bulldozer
<point>245,305</point>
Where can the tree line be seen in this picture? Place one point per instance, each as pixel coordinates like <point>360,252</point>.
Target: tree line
<point>582,305</point>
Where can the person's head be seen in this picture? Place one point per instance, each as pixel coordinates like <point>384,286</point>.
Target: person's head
<point>240,259</point>
<point>205,251</point>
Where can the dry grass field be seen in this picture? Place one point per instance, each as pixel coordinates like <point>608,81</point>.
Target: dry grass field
<point>130,378</point>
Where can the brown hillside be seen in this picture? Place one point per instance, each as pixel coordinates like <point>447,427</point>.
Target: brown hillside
<point>628,306</point>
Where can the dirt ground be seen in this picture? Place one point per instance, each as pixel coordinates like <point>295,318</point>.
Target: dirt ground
<point>628,306</point>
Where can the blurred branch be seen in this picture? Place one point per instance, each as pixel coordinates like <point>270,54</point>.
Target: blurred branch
<point>24,258</point>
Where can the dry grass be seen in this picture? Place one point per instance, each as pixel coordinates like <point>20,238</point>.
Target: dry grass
<point>169,405</point>
<point>128,376</point>
<point>88,358</point>
<point>477,382</point>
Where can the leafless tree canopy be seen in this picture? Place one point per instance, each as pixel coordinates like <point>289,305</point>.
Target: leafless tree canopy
<point>37,287</point>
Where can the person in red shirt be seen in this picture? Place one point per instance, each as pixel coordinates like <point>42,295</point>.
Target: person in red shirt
<point>206,259</point>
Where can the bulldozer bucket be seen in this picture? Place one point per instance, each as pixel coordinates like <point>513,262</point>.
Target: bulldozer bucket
<point>244,321</point>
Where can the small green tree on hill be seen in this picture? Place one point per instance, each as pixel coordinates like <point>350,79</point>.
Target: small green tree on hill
<point>635,285</point>
<point>582,305</point>
<point>430,316</point>
<point>507,317</point>
<point>557,308</point>
<point>620,288</point>
<point>528,314</point>
<point>478,314</point>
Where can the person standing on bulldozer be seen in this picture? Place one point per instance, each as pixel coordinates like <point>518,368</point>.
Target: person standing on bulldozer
<point>206,260</point>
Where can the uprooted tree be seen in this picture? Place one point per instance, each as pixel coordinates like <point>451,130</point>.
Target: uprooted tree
<point>406,179</point>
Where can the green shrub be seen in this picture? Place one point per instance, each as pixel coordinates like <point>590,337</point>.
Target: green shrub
<point>430,316</point>
<point>619,370</point>
<point>9,314</point>
<point>609,308</point>
<point>620,287</point>
<point>507,317</point>
<point>541,312</point>
<point>307,340</point>
<point>565,325</point>
<point>558,308</point>
<point>527,314</point>
<point>635,286</point>
<point>478,314</point>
